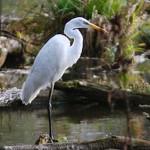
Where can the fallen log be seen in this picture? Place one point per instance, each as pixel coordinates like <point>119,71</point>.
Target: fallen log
<point>8,96</point>
<point>102,93</point>
<point>115,142</point>
<point>86,93</point>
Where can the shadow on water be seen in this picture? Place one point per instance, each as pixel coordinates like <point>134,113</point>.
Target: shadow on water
<point>77,123</point>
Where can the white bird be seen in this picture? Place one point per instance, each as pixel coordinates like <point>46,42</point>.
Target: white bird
<point>53,59</point>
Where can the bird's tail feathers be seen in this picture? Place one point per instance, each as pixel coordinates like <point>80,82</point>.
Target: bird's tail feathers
<point>31,88</point>
<point>29,92</point>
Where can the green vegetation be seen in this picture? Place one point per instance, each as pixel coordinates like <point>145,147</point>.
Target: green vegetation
<point>62,139</point>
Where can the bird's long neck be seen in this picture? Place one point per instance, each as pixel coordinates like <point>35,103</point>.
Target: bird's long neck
<point>75,50</point>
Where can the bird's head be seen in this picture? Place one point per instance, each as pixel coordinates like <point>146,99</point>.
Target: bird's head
<point>80,22</point>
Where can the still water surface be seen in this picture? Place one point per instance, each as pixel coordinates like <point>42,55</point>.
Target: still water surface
<point>77,123</point>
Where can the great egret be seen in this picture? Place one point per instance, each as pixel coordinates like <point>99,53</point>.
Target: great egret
<point>52,61</point>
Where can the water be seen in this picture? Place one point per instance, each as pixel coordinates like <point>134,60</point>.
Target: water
<point>77,123</point>
<point>82,122</point>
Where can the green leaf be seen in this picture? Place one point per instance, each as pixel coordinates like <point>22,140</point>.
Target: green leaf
<point>62,139</point>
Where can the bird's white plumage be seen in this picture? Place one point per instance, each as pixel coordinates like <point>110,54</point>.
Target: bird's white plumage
<point>53,59</point>
<point>47,67</point>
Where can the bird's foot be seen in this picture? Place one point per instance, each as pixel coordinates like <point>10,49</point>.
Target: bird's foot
<point>52,140</point>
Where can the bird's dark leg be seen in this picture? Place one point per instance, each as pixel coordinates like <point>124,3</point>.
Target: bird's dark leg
<point>49,111</point>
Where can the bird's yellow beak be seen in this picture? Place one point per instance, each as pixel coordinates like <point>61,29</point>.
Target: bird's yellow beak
<point>97,27</point>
